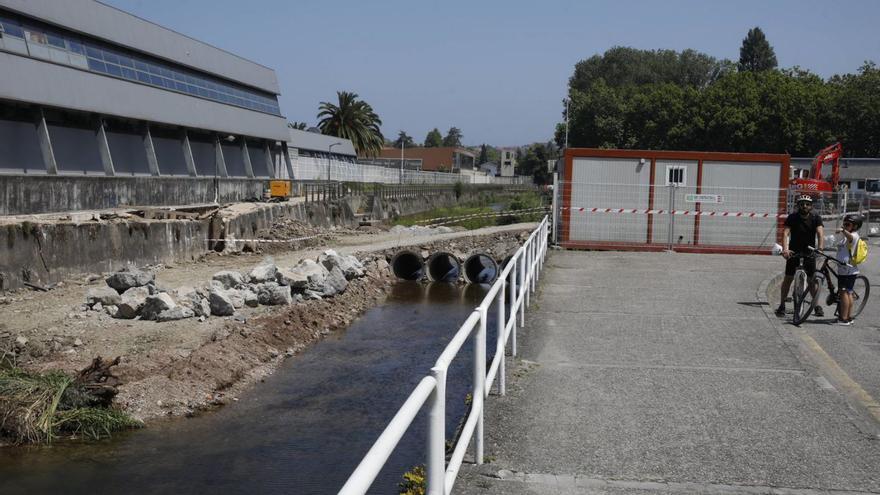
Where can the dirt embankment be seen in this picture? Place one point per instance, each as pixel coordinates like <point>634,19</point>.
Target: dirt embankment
<point>182,367</point>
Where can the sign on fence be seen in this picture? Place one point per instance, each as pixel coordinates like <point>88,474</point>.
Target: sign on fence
<point>704,198</point>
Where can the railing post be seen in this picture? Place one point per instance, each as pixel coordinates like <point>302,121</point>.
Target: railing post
<point>523,289</point>
<point>513,275</point>
<point>500,348</point>
<point>534,264</point>
<point>436,456</point>
<point>527,271</point>
<point>479,383</point>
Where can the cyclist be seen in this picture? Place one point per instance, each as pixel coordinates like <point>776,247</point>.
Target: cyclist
<point>803,229</point>
<point>847,274</point>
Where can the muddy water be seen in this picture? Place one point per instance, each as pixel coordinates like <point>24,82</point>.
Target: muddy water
<point>302,431</point>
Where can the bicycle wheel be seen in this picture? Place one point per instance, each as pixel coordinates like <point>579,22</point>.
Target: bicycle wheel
<point>800,292</point>
<point>861,290</point>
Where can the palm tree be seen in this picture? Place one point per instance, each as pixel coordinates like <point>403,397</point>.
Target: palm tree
<point>354,120</point>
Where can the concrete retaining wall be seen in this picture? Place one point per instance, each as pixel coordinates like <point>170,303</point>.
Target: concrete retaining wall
<point>29,194</point>
<point>49,253</point>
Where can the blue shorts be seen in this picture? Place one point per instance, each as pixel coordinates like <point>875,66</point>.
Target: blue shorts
<point>847,282</point>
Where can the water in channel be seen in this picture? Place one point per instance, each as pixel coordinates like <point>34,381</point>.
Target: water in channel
<point>303,431</point>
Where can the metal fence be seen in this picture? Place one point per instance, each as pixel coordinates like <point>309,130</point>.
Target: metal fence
<point>312,168</point>
<point>674,217</point>
<point>518,280</point>
<point>689,219</point>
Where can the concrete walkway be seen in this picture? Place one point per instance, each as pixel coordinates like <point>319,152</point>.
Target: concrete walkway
<point>656,373</point>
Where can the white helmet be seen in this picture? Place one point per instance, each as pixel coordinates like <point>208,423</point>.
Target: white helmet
<point>804,197</point>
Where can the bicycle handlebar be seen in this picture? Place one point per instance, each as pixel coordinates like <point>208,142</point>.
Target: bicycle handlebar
<point>816,251</point>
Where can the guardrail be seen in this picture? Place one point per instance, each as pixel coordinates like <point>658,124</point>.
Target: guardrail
<point>517,281</point>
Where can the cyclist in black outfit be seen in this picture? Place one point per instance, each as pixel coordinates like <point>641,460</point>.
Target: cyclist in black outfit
<point>802,229</point>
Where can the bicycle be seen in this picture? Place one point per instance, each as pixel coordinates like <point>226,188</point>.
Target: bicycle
<point>861,288</point>
<point>806,291</point>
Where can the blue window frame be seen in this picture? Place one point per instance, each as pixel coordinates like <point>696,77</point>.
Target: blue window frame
<point>125,61</point>
<point>11,28</point>
<point>56,41</point>
<point>143,77</point>
<point>93,52</point>
<point>75,47</point>
<point>179,86</point>
<point>129,74</point>
<point>110,57</point>
<point>155,80</point>
<point>141,66</point>
<point>114,69</point>
<point>97,65</point>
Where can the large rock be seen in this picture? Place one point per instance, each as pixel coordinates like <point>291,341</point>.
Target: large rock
<point>306,275</point>
<point>220,303</point>
<point>129,277</point>
<point>132,302</point>
<point>251,299</point>
<point>272,294</point>
<point>263,273</point>
<point>230,279</point>
<point>178,313</point>
<point>106,296</point>
<point>335,282</point>
<point>350,266</point>
<point>237,298</point>
<point>157,304</point>
<point>194,299</point>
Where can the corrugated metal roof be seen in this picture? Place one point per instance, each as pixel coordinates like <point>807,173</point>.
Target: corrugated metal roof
<point>306,140</point>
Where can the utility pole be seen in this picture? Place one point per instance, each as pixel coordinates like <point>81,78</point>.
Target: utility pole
<point>402,146</point>
<point>566,123</point>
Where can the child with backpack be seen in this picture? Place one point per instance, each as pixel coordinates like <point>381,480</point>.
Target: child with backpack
<point>851,250</point>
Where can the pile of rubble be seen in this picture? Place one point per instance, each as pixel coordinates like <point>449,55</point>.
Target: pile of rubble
<point>132,293</point>
<point>417,230</point>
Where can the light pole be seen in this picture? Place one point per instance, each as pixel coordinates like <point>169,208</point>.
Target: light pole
<point>402,146</point>
<point>566,123</point>
<point>329,154</point>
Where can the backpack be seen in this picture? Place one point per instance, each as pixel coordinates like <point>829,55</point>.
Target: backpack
<point>860,253</point>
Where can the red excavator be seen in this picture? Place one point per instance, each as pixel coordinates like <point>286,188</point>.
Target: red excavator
<point>817,184</point>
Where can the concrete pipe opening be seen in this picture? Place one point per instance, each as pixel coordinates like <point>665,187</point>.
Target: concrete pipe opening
<point>443,267</point>
<point>407,265</point>
<point>480,268</point>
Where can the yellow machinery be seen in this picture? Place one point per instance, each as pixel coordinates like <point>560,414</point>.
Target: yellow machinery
<point>279,188</point>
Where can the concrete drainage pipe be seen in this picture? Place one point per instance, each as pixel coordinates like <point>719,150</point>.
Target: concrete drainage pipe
<point>443,267</point>
<point>480,268</point>
<point>407,265</point>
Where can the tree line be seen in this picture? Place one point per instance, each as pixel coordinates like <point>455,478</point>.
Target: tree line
<point>663,99</point>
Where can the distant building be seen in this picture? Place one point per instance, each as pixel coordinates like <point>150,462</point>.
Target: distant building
<point>443,159</point>
<point>508,162</point>
<point>491,168</point>
<point>87,89</point>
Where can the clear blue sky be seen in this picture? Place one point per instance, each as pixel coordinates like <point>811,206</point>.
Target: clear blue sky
<point>495,69</point>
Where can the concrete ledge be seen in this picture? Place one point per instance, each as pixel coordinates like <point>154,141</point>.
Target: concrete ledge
<point>33,194</point>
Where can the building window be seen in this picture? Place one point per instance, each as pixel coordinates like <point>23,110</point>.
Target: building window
<point>676,175</point>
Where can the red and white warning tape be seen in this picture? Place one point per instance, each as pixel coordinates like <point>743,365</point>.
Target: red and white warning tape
<point>695,213</point>
<point>295,239</point>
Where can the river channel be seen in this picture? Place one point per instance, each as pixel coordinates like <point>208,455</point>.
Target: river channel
<point>302,431</point>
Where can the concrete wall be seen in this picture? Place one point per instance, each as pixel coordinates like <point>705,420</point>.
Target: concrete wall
<point>27,194</point>
<point>48,253</point>
<point>119,27</point>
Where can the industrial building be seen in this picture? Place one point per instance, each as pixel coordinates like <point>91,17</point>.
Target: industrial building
<point>455,160</point>
<point>89,90</point>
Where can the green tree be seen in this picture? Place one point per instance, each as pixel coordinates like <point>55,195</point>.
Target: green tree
<point>404,140</point>
<point>532,161</point>
<point>484,155</point>
<point>352,119</point>
<point>297,125</point>
<point>756,54</point>
<point>453,137</point>
<point>434,139</point>
<point>856,99</point>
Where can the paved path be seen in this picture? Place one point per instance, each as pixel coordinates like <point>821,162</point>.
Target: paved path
<point>656,373</point>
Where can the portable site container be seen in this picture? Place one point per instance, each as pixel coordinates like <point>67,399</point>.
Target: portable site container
<point>680,200</point>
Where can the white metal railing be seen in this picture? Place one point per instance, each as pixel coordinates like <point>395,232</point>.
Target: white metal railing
<point>516,282</point>
<point>315,168</point>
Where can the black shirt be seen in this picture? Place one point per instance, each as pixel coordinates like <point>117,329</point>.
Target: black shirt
<point>803,231</point>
